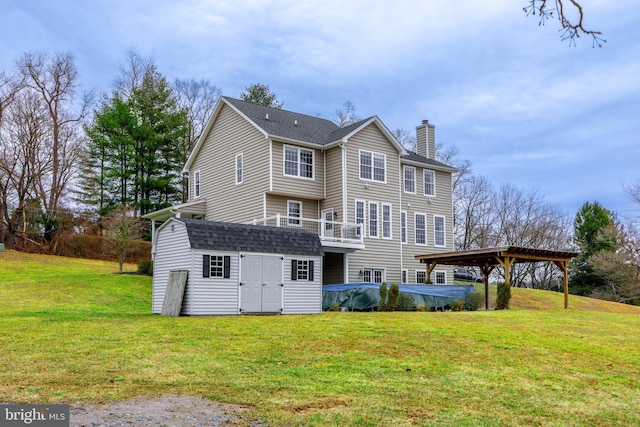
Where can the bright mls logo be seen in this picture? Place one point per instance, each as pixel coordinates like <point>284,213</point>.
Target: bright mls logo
<point>34,415</point>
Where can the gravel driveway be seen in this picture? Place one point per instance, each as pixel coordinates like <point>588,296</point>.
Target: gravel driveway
<point>160,411</point>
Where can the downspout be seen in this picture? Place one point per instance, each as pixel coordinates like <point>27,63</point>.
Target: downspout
<point>345,217</point>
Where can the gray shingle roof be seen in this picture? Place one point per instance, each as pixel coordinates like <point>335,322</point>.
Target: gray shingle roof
<point>414,157</point>
<point>282,123</point>
<point>234,237</point>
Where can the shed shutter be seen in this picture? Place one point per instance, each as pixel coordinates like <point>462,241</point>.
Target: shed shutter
<point>311,271</point>
<point>294,269</point>
<point>206,266</point>
<point>227,267</point>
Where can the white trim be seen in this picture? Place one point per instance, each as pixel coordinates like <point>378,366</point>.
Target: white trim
<point>291,222</point>
<point>373,155</point>
<point>416,276</point>
<point>197,184</point>
<point>299,163</point>
<point>404,179</point>
<point>444,231</point>
<point>372,271</point>
<point>415,228</point>
<point>435,277</point>
<point>270,165</point>
<point>403,233</point>
<point>377,228</point>
<point>424,186</point>
<point>363,228</point>
<point>240,169</point>
<point>405,272</point>
<point>382,222</point>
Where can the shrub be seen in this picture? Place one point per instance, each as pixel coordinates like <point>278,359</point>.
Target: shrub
<point>405,303</point>
<point>423,307</point>
<point>504,296</point>
<point>457,305</point>
<point>145,267</point>
<point>382,304</point>
<point>335,307</point>
<point>394,291</point>
<point>472,301</point>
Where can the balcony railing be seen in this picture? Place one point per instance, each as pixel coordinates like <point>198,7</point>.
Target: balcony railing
<point>329,231</point>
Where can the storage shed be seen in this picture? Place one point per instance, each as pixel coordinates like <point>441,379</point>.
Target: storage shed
<point>237,268</point>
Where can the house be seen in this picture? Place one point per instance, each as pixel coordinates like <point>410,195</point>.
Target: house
<point>237,268</point>
<point>373,204</point>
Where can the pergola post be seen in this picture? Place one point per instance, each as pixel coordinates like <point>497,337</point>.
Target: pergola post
<point>486,271</point>
<point>562,265</point>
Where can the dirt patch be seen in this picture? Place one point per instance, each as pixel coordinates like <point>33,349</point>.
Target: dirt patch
<point>160,411</point>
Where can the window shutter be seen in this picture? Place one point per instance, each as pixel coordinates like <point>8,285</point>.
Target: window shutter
<point>227,266</point>
<point>311,271</point>
<point>206,266</point>
<point>294,269</point>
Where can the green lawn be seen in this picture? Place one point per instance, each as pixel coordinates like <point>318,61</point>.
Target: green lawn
<point>72,331</point>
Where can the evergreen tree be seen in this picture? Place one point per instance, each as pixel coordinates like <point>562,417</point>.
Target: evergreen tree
<point>260,94</point>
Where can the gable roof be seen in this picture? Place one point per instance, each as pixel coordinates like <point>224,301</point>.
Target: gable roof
<point>294,127</point>
<point>227,236</point>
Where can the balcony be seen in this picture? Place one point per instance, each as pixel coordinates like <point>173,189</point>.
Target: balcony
<point>333,234</point>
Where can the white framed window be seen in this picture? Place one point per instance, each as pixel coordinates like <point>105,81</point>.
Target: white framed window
<point>302,270</point>
<point>421,277</point>
<point>196,184</point>
<point>410,179</point>
<point>429,183</point>
<point>403,227</point>
<point>216,266</point>
<point>239,168</point>
<point>441,277</point>
<point>373,275</point>
<point>298,162</point>
<point>405,275</point>
<point>294,212</point>
<point>386,221</point>
<point>373,166</point>
<point>373,219</point>
<point>420,229</point>
<point>360,217</point>
<point>438,231</point>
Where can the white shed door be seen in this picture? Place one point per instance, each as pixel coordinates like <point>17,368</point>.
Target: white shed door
<point>261,284</point>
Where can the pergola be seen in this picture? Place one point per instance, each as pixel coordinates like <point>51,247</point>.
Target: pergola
<point>506,257</point>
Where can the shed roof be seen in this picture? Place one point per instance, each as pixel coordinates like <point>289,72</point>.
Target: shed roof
<point>234,237</point>
<point>492,256</point>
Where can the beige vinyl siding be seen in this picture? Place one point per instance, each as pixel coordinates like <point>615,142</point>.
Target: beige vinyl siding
<point>426,147</point>
<point>431,142</point>
<point>212,295</point>
<point>278,205</point>
<point>431,206</point>
<point>378,252</point>
<point>302,296</point>
<point>333,158</point>
<point>296,186</point>
<point>230,135</point>
<point>173,252</point>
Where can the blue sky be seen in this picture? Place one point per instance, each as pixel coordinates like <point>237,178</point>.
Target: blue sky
<point>523,106</point>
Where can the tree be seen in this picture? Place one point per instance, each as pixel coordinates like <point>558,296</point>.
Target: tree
<point>571,28</point>
<point>123,228</point>
<point>346,115</point>
<point>260,94</point>
<point>589,222</point>
<point>54,81</point>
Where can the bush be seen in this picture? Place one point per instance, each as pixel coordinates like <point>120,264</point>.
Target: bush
<point>504,296</point>
<point>405,303</point>
<point>145,267</point>
<point>457,305</point>
<point>335,307</point>
<point>382,304</point>
<point>423,307</point>
<point>394,292</point>
<point>472,301</point>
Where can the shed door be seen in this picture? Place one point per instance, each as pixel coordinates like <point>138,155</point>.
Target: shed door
<point>261,284</point>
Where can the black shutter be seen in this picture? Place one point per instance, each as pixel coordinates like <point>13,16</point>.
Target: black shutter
<point>294,269</point>
<point>206,266</point>
<point>227,267</point>
<point>311,271</point>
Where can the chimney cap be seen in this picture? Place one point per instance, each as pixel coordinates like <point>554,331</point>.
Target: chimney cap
<point>425,122</point>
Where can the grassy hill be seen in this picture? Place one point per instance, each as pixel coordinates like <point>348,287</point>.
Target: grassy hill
<point>73,331</point>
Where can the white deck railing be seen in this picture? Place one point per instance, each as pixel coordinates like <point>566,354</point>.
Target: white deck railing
<point>329,231</point>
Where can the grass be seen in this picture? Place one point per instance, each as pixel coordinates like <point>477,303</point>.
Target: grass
<point>72,331</point>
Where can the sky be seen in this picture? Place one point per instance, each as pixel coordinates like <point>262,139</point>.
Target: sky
<point>524,107</point>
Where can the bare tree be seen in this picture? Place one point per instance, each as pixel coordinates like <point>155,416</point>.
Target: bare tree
<point>54,80</point>
<point>633,190</point>
<point>197,98</point>
<point>473,214</point>
<point>123,229</point>
<point>346,115</point>
<point>571,28</point>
